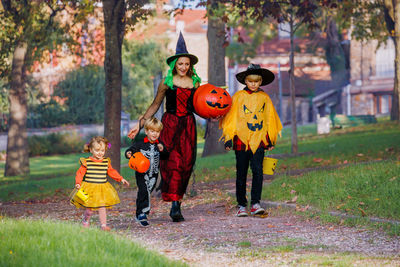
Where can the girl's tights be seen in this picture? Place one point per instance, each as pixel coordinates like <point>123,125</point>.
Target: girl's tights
<point>102,216</point>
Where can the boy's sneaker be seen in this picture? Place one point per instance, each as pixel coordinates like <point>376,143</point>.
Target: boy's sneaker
<point>256,209</point>
<point>241,212</point>
<point>142,220</point>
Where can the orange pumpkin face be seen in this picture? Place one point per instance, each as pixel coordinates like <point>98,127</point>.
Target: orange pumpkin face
<point>211,101</point>
<point>139,162</point>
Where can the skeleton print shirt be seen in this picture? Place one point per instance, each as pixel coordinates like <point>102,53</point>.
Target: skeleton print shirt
<point>150,151</point>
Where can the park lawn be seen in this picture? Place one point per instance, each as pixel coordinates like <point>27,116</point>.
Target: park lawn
<point>48,243</point>
<point>349,145</point>
<point>50,176</point>
<point>368,189</point>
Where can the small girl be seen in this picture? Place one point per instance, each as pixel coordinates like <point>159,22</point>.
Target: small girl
<point>92,177</point>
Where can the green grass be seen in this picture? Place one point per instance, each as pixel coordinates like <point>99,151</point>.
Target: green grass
<point>49,176</point>
<point>46,243</point>
<point>356,144</point>
<point>362,189</point>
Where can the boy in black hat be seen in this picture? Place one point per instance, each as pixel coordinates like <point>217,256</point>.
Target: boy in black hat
<point>251,126</point>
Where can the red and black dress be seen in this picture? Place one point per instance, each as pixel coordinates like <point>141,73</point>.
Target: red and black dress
<point>180,139</point>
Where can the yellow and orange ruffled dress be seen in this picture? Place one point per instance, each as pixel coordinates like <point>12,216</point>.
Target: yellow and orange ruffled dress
<point>92,176</point>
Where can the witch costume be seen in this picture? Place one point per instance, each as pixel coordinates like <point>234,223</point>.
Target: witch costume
<point>179,131</point>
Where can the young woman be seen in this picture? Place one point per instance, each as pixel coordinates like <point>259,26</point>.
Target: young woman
<point>179,132</point>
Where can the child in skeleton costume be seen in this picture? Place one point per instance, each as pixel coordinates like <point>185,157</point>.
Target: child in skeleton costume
<point>251,126</point>
<point>152,149</point>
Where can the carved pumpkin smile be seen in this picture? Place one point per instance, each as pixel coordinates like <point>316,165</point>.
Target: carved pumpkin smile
<point>216,104</point>
<point>211,101</point>
<point>255,126</point>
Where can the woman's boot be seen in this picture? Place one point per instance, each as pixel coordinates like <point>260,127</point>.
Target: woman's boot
<point>175,212</point>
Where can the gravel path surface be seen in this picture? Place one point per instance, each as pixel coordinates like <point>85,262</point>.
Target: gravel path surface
<point>212,236</point>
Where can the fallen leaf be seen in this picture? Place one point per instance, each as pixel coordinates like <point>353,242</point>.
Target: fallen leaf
<point>392,179</point>
<point>294,199</point>
<point>340,206</point>
<point>349,197</point>
<point>302,209</point>
<point>362,212</point>
<point>264,215</point>
<point>318,159</point>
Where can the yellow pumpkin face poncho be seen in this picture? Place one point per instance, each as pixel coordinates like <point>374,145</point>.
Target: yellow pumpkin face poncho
<point>251,117</point>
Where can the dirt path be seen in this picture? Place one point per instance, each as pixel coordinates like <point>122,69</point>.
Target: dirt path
<point>212,236</point>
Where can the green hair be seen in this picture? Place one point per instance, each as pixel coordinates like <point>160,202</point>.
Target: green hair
<point>169,78</point>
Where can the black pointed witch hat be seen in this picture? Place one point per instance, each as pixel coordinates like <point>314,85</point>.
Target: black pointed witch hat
<point>181,51</point>
<point>267,76</point>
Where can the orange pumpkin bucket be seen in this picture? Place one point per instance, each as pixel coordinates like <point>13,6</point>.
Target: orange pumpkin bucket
<point>269,165</point>
<point>139,162</point>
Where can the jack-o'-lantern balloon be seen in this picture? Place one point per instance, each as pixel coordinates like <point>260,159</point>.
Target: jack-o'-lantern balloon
<point>251,118</point>
<point>139,162</point>
<point>211,101</point>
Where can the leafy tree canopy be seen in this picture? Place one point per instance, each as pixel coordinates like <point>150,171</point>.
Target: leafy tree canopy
<point>142,62</point>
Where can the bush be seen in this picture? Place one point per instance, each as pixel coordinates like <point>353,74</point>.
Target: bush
<point>49,114</point>
<point>55,143</point>
<point>83,91</point>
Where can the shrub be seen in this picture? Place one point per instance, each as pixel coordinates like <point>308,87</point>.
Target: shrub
<point>83,91</point>
<point>55,143</point>
<point>49,114</point>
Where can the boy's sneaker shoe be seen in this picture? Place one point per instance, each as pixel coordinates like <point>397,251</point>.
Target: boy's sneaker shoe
<point>241,212</point>
<point>256,209</point>
<point>142,220</point>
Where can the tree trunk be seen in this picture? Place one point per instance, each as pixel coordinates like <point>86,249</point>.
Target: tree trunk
<point>114,14</point>
<point>216,76</point>
<point>395,112</point>
<point>17,162</point>
<point>392,19</point>
<point>292,89</point>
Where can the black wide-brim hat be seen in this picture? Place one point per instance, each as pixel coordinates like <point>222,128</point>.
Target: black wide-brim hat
<point>267,76</point>
<point>181,51</point>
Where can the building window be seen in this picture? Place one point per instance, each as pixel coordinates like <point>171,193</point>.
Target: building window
<point>385,60</point>
<point>383,104</point>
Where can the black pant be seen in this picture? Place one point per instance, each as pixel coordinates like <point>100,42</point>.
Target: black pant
<point>145,186</point>
<point>243,158</point>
